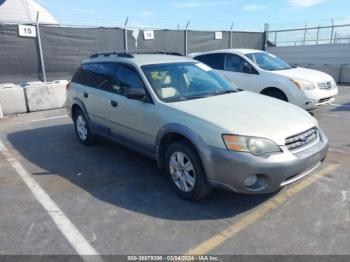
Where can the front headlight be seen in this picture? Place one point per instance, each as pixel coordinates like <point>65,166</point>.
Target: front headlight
<point>303,84</point>
<point>254,145</point>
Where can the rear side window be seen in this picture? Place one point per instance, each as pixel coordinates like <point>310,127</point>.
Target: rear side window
<point>97,75</point>
<point>215,61</point>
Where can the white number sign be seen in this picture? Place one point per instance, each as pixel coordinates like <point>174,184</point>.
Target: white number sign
<point>148,35</point>
<point>218,35</point>
<point>27,30</point>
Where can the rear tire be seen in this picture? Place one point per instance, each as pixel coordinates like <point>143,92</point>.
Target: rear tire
<point>185,171</point>
<point>82,128</point>
<point>275,93</point>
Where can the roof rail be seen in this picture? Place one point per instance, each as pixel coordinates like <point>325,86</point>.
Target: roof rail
<point>120,54</point>
<point>156,52</point>
<point>128,54</point>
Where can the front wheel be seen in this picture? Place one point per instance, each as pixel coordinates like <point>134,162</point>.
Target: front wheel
<point>185,171</point>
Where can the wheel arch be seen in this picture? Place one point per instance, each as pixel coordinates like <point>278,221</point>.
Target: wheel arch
<point>77,104</point>
<point>175,132</point>
<point>274,89</point>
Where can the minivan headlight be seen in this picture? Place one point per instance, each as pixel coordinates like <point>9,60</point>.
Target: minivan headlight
<point>303,84</point>
<point>255,145</point>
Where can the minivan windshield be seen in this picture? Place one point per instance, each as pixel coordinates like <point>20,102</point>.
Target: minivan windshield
<point>268,61</point>
<point>184,81</point>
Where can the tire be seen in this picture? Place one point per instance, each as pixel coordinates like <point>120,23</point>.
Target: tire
<point>187,178</point>
<point>82,129</point>
<point>275,93</point>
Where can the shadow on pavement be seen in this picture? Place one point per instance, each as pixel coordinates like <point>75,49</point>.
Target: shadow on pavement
<point>116,175</point>
<point>343,107</point>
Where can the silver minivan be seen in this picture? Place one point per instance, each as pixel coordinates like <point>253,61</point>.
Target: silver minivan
<point>201,130</point>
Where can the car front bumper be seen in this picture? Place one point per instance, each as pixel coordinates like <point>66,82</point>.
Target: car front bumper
<point>316,98</point>
<point>229,169</point>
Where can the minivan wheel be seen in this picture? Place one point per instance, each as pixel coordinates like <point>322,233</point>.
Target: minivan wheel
<point>82,128</point>
<point>185,171</point>
<point>275,93</point>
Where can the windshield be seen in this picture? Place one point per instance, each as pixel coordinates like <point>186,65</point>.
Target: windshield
<point>183,81</point>
<point>268,61</point>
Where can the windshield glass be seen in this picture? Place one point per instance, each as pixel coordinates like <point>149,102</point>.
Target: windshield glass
<point>268,61</point>
<point>183,81</point>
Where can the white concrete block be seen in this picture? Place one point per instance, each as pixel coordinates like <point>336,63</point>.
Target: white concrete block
<point>345,75</point>
<point>46,96</point>
<point>1,114</point>
<point>12,100</point>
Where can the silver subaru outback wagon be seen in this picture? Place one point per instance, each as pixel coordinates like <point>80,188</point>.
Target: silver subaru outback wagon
<point>200,129</point>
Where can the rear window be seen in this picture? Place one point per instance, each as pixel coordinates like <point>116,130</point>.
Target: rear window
<point>215,61</point>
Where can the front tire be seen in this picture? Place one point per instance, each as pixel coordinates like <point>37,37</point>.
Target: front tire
<point>185,171</point>
<point>82,128</point>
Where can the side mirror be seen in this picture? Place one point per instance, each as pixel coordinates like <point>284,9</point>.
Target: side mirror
<point>247,69</point>
<point>135,93</point>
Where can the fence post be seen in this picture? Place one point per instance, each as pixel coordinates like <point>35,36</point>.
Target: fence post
<point>42,64</point>
<point>186,38</point>
<point>126,35</point>
<point>332,31</point>
<point>275,38</point>
<point>266,35</point>
<point>318,32</point>
<point>230,43</point>
<point>304,40</point>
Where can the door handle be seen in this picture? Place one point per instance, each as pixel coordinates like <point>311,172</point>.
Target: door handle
<point>86,95</point>
<point>114,103</point>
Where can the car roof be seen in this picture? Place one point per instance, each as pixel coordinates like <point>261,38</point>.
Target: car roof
<point>140,59</point>
<point>241,51</point>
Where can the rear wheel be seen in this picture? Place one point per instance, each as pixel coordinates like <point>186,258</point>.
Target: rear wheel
<point>276,94</point>
<point>82,128</point>
<point>185,171</point>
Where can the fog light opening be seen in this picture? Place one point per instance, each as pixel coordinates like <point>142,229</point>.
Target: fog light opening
<point>250,181</point>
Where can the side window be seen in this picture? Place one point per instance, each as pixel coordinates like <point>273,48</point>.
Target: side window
<point>216,61</point>
<point>234,63</point>
<point>125,78</point>
<point>104,72</point>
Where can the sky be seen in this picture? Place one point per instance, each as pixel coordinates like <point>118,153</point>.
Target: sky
<point>203,14</point>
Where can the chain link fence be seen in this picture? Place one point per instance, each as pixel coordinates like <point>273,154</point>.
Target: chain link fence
<point>333,34</point>
<point>54,52</point>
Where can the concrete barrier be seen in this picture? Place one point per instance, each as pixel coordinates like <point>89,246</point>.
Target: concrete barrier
<point>345,74</point>
<point>46,96</point>
<point>12,100</point>
<point>333,70</point>
<point>1,114</point>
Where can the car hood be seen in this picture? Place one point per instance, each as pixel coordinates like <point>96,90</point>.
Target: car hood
<point>305,73</point>
<point>249,114</point>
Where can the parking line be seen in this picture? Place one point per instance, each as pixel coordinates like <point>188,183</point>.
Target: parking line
<point>244,222</point>
<point>48,118</point>
<point>67,228</point>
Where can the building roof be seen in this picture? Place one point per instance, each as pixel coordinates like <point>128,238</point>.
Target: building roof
<point>24,11</point>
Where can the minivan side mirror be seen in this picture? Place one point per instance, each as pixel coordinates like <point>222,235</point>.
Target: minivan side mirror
<point>135,93</point>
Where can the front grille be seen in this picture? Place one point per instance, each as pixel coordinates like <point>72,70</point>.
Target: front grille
<point>326,85</point>
<point>300,140</point>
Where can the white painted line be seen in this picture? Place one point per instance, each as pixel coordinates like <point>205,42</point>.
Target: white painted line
<point>48,118</point>
<point>340,105</point>
<point>67,228</point>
